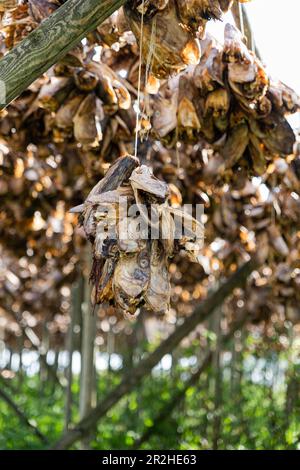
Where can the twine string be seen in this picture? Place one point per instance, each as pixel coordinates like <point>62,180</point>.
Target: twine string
<point>139,83</point>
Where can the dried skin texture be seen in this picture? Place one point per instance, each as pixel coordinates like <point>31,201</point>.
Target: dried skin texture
<point>157,295</point>
<point>229,101</point>
<point>187,119</point>
<point>194,14</point>
<point>87,121</point>
<point>209,72</point>
<point>39,171</point>
<point>131,278</point>
<point>117,174</point>
<point>165,44</point>
<point>111,90</point>
<point>41,9</point>
<point>216,110</point>
<point>167,230</point>
<point>250,82</point>
<point>283,96</point>
<point>142,178</point>
<point>278,135</point>
<point>165,114</point>
<point>52,94</point>
<point>106,219</point>
<point>234,48</point>
<point>188,123</point>
<point>131,264</point>
<point>103,291</point>
<point>236,144</point>
<point>257,154</point>
<point>112,196</point>
<point>241,73</point>
<point>65,114</point>
<point>192,236</point>
<point>128,240</point>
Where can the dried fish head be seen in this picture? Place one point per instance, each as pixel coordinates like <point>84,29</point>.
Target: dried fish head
<point>117,174</point>
<point>66,112</point>
<point>85,80</point>
<point>158,292</point>
<point>194,14</point>
<point>278,136</point>
<point>217,103</point>
<point>208,74</point>
<point>130,238</point>
<point>110,90</point>
<point>41,9</point>
<point>142,178</point>
<point>106,222</point>
<point>234,48</point>
<point>283,97</point>
<point>131,278</point>
<point>87,121</point>
<point>124,98</point>
<point>236,144</point>
<point>249,81</point>
<point>164,42</point>
<point>188,121</point>
<point>164,118</point>
<point>187,228</point>
<point>53,93</point>
<point>167,227</point>
<point>7,5</point>
<point>102,289</point>
<point>257,153</point>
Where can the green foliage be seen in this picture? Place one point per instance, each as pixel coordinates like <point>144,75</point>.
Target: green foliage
<point>260,407</point>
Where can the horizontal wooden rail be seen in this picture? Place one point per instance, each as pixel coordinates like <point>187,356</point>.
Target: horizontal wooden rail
<point>49,42</point>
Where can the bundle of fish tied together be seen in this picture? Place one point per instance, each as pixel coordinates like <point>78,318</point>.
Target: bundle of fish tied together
<point>168,30</point>
<point>173,23</point>
<point>228,100</point>
<point>134,231</point>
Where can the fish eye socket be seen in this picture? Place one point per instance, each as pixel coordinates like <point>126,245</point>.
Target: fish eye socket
<point>207,16</point>
<point>144,263</point>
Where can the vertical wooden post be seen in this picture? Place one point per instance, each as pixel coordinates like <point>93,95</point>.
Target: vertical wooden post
<point>87,349</point>
<point>44,347</point>
<point>217,368</point>
<point>75,312</point>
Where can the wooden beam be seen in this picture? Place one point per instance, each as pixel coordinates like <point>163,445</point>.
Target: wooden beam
<point>49,43</point>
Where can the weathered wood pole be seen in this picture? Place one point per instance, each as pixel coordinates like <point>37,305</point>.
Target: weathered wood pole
<point>49,43</point>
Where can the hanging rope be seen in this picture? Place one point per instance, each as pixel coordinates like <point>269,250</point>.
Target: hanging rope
<point>241,15</point>
<point>139,83</point>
